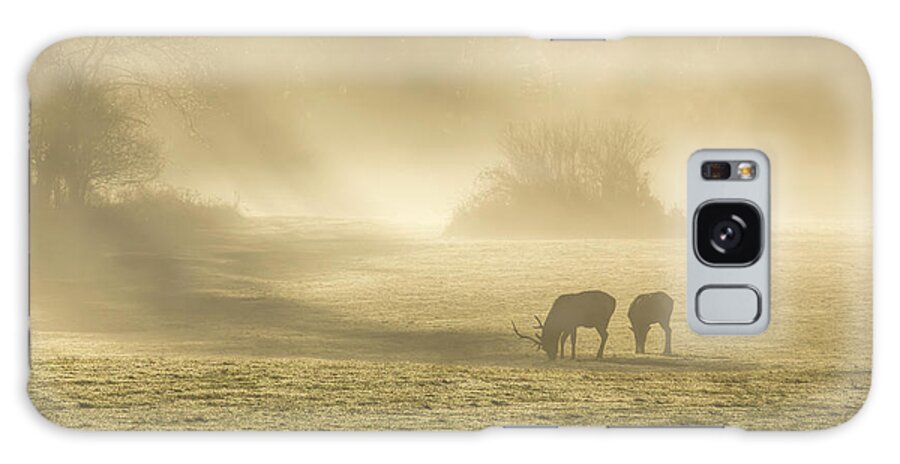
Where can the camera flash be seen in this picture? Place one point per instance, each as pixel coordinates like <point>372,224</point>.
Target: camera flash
<point>746,170</point>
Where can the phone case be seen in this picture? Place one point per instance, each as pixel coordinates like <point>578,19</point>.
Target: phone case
<point>401,233</point>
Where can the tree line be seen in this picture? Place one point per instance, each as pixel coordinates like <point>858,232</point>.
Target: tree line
<point>91,138</point>
<point>576,178</point>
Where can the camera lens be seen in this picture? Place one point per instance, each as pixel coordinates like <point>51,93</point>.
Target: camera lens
<point>716,170</point>
<point>728,233</point>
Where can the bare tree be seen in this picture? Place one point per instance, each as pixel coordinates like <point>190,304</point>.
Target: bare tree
<point>85,141</point>
<point>575,159</point>
<point>92,101</point>
<point>567,176</point>
<point>625,149</point>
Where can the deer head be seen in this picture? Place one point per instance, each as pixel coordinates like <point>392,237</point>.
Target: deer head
<point>640,337</point>
<point>536,339</point>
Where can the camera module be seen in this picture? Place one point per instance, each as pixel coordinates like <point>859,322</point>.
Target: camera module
<point>728,233</point>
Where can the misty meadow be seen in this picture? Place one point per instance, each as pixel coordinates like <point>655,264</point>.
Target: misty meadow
<point>311,234</point>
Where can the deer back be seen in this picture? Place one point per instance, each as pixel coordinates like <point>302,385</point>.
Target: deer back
<point>650,308</point>
<point>585,309</point>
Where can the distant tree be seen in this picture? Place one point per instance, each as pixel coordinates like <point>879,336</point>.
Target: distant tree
<point>624,151</point>
<point>92,101</point>
<point>88,141</point>
<point>571,179</point>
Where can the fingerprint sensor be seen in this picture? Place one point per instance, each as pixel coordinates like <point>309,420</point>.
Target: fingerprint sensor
<point>728,304</point>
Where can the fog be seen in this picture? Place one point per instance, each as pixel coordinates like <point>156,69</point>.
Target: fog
<point>336,233</point>
<point>400,129</point>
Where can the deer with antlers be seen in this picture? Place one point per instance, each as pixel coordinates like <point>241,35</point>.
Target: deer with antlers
<point>568,313</point>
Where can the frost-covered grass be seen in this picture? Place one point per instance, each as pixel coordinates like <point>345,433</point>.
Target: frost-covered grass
<point>290,324</point>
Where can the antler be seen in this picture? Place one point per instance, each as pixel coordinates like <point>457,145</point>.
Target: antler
<point>536,341</point>
<point>540,324</point>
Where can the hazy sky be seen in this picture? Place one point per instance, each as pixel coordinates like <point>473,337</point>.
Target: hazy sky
<point>400,128</point>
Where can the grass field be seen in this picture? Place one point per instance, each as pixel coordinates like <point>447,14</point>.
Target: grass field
<point>327,324</point>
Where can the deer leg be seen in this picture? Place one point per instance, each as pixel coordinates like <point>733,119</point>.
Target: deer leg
<point>603,336</point>
<point>574,331</point>
<point>562,345</point>
<point>668,331</point>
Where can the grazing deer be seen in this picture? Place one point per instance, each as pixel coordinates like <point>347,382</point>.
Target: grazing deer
<point>647,309</point>
<point>568,313</point>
